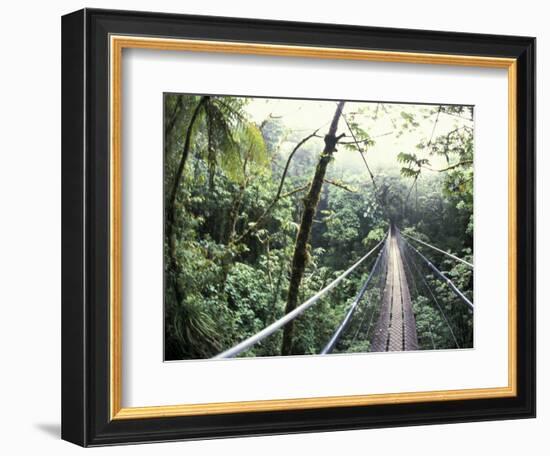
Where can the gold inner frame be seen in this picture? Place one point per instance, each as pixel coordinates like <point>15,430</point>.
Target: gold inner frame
<point>117,44</point>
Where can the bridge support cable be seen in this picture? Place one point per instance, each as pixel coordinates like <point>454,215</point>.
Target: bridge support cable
<point>382,279</point>
<point>445,279</point>
<point>268,330</point>
<point>408,267</point>
<point>434,299</point>
<point>407,264</point>
<point>345,322</point>
<point>454,257</point>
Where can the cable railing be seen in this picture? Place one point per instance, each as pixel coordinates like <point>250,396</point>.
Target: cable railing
<point>351,311</point>
<point>268,330</point>
<point>444,278</point>
<point>381,282</point>
<point>436,301</point>
<point>345,322</point>
<point>411,277</point>
<point>454,257</point>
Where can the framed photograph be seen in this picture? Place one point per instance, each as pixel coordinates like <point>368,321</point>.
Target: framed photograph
<point>275,227</point>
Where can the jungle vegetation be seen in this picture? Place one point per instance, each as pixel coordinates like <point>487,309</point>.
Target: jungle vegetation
<point>263,209</point>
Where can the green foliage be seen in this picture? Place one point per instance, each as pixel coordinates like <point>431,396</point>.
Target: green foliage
<point>233,243</point>
<point>413,164</point>
<point>373,238</point>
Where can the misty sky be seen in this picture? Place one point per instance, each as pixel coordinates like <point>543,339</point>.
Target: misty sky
<point>305,116</point>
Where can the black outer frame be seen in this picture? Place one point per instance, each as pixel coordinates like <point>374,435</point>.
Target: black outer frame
<point>85,227</point>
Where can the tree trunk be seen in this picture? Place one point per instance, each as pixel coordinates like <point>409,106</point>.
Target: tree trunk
<point>183,159</point>
<point>300,258</point>
<point>170,207</point>
<point>171,121</point>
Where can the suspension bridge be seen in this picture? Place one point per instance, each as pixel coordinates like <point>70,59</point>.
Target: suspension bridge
<point>382,312</point>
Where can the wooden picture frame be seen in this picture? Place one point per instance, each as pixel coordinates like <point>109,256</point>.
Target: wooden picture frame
<point>92,44</point>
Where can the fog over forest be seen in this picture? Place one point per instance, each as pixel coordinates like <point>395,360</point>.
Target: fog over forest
<point>383,121</point>
<point>268,201</point>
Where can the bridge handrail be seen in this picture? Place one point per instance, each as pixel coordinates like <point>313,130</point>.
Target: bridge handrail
<point>268,330</point>
<point>443,277</point>
<point>454,257</point>
<point>343,325</point>
<point>434,299</point>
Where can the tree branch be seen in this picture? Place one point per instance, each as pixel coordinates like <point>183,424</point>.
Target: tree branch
<point>365,141</point>
<point>183,159</point>
<point>296,190</point>
<point>435,125</point>
<point>278,195</point>
<point>290,156</point>
<point>171,206</point>
<point>459,116</point>
<point>339,185</point>
<point>360,149</point>
<point>456,165</point>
